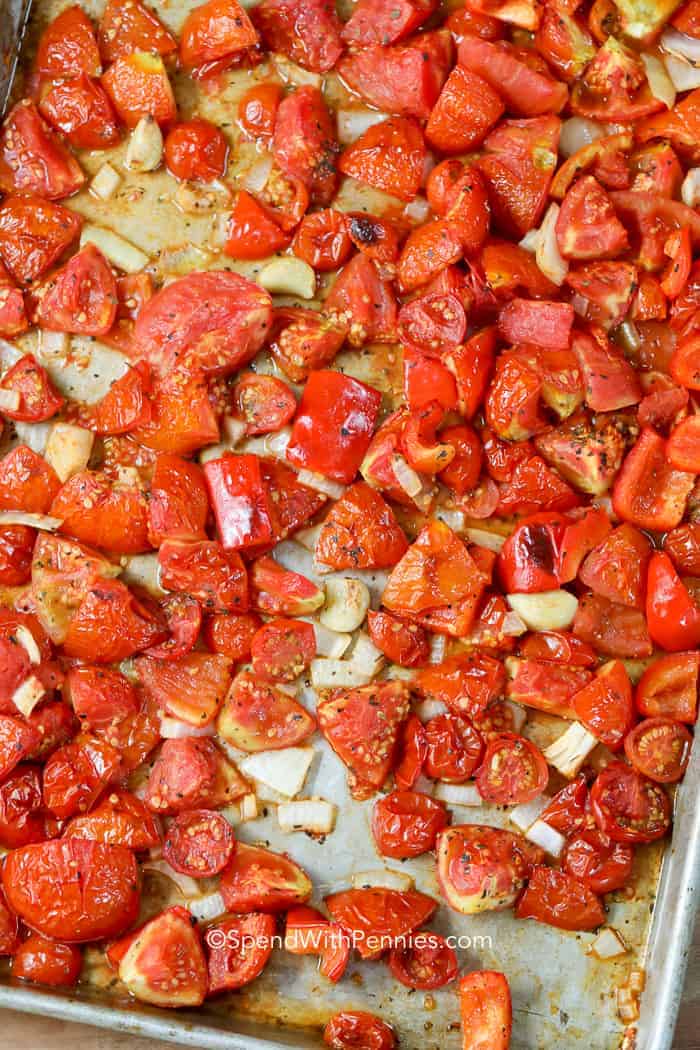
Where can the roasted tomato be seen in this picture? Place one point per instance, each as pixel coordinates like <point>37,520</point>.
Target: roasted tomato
<point>196,150</point>
<point>190,688</point>
<point>81,110</point>
<point>513,771</point>
<point>360,532</point>
<point>33,159</point>
<point>483,868</point>
<point>406,824</point>
<point>560,899</point>
<point>605,705</point>
<point>307,932</point>
<point>355,1028</point>
<point>659,748</point>
<point>192,773</point>
<point>119,819</point>
<point>669,687</point>
<point>257,879</point>
<point>600,863</point>
<point>486,1010</point>
<point>374,918</point>
<point>628,807</point>
<point>282,649</point>
<point>258,717</point>
<point>428,962</point>
<point>232,961</point>
<point>199,843</point>
<point>67,47</point>
<point>132,26</point>
<point>164,962</point>
<point>216,577</point>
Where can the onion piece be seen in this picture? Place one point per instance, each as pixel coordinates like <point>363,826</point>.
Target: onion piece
<point>577,132</point>
<point>525,815</point>
<point>438,647</point>
<point>454,519</point>
<point>188,887</point>
<point>314,815</point>
<point>241,811</point>
<point>677,43</point>
<point>35,435</point>
<point>366,656</point>
<point>255,178</point>
<point>547,255</point>
<point>68,449</point>
<point>519,715</point>
<point>284,771</point>
<point>329,643</point>
<point>276,444</point>
<point>9,400</point>
<point>333,674</point>
<point>493,541</point>
<point>26,639</point>
<point>321,483</point>
<point>143,570</point>
<point>513,625</point>
<point>458,794</point>
<point>608,944</point>
<point>34,521</point>
<point>234,429</point>
<point>530,241</point>
<point>684,75</point>
<point>690,190</point>
<point>27,695</point>
<point>210,906</point>
<point>547,837</point>
<point>571,749</point>
<point>354,121</point>
<point>174,729</point>
<point>660,83</point>
<point>418,210</point>
<point>384,878</point>
<point>308,538</point>
<point>428,709</point>
<point>295,74</point>
<point>409,479</point>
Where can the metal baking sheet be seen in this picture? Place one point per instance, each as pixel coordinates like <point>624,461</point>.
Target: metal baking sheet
<point>563,997</point>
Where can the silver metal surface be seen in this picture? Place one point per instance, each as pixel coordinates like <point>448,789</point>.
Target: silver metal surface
<point>563,998</point>
<point>14,15</point>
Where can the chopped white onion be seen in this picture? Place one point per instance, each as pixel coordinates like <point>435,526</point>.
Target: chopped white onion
<point>519,715</point>
<point>608,944</point>
<point>34,521</point>
<point>143,570</point>
<point>330,643</point>
<point>354,121</point>
<point>53,345</point>
<point>308,538</point>
<point>27,695</point>
<point>242,810</point>
<point>9,400</point>
<point>660,83</point>
<point>571,749</point>
<point>577,132</point>
<point>122,254</point>
<point>256,177</point>
<point>321,483</point>
<point>458,794</point>
<point>26,639</point>
<point>314,815</point>
<point>525,815</point>
<point>294,74</point>
<point>275,445</point>
<point>546,837</point>
<point>513,625</point>
<point>34,435</point>
<point>208,907</point>
<point>174,729</point>
<point>438,648</point>
<point>545,611</point>
<point>409,479</point>
<point>428,709</point>
<point>68,449</point>
<point>291,555</point>
<point>627,1005</point>
<point>105,183</point>
<point>188,887</point>
<point>684,75</point>
<point>454,519</point>
<point>366,656</point>
<point>384,878</point>
<point>676,43</point>
<point>530,241</point>
<point>337,674</point>
<point>493,541</point>
<point>547,255</point>
<point>690,190</point>
<point>418,210</point>
<point>347,602</point>
<point>284,771</point>
<point>397,673</point>
<point>234,429</point>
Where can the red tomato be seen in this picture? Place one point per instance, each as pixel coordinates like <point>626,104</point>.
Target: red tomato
<point>546,323</point>
<point>412,748</point>
<point>467,683</point>
<point>34,234</point>
<point>257,110</point>
<point>587,226</point>
<point>307,932</point>
<point>138,86</point>
<point>22,820</point>
<point>178,506</point>
<point>216,30</point>
<point>33,159</point>
<point>372,23</point>
<point>308,33</point>
<point>128,27</point>
<point>529,559</point>
<point>164,962</point>
<point>36,397</point>
<point>44,961</point>
<point>305,341</point>
<point>425,380</point>
<point>659,748</point>
<point>258,717</point>
<point>401,642</point>
<point>190,688</point>
<point>613,629</point>
<point>524,90</point>
<point>454,748</point>
<point>205,570</point>
<point>265,402</point>
<point>67,47</point>
<point>77,773</point>
<point>281,592</point>
<point>240,500</point>
<point>119,819</point>
<point>192,773</point>
<point>374,918</point>
<point>282,650</point>
<point>13,316</point>
<point>103,513</point>
<point>360,532</point>
<point>81,297</point>
<point>111,625</point>
<point>17,740</point>
<point>252,233</point>
<point>55,725</point>
<point>464,114</point>
<point>428,962</point>
<point>629,808</point>
<point>364,302</point>
<point>669,688</point>
<point>357,1029</point>
<point>610,381</point>
<point>598,862</point>
<point>9,929</point>
<point>215,320</point>
<point>685,363</point>
<point>560,899</point>
<point>257,879</point>
<point>672,613</point>
<point>334,425</point>
<point>323,241</point>
<point>232,634</point>
<point>184,618</point>
<point>73,890</point>
<point>304,142</point>
<point>567,812</point>
<point>16,546</point>
<point>471,365</point>
<point>199,843</point>
<point>376,237</point>
<point>559,646</point>
<point>369,716</point>
<point>648,492</point>
<point>616,568</point>
<point>406,823</point>
<point>100,695</point>
<point>486,1011</point>
<point>81,110</point>
<point>239,950</point>
<point>389,156</point>
<point>125,405</point>
<point>292,504</point>
<point>433,321</point>
<point>682,447</point>
<point>680,251</point>
<point>196,150</point>
<point>513,771</point>
<point>482,868</point>
<point>605,705</point>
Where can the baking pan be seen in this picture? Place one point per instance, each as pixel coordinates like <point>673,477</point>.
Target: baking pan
<point>563,997</point>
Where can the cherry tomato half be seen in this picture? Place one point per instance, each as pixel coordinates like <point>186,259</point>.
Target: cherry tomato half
<point>427,962</point>
<point>199,843</point>
<point>660,749</point>
<point>513,771</point>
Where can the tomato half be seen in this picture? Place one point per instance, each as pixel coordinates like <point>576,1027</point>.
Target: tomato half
<point>669,688</point>
<point>357,1030</point>
<point>199,843</point>
<point>628,807</point>
<point>374,918</point>
<point>486,1011</point>
<point>428,962</point>
<point>239,950</point>
<point>560,899</point>
<point>481,868</point>
<point>44,961</point>
<point>406,823</point>
<point>454,748</point>
<point>257,879</point>
<point>513,771</point>
<point>603,865</point>
<point>660,749</point>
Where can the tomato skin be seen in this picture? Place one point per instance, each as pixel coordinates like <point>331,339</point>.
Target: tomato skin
<point>389,156</point>
<point>648,492</point>
<point>280,592</point>
<point>215,30</point>
<point>44,961</point>
<point>559,899</point>
<point>669,688</point>
<point>264,402</point>
<point>672,614</point>
<point>467,683</point>
<point>100,695</point>
<point>528,560</point>
<point>486,1011</point>
<point>363,302</point>
<point>258,879</point>
<point>401,642</point>
<point>216,577</point>
<point>482,868</point>
<point>233,964</point>
<point>304,143</point>
<point>199,843</point>
<point>82,111</point>
<point>685,363</point>
<point>454,748</point>
<point>258,717</point>
<point>307,33</point>
<point>567,812</point>
<point>190,688</point>
<point>322,240</point>
<point>513,771</point>
<point>67,47</point>
<point>406,824</point>
<point>76,774</point>
<point>111,624</point>
<point>333,425</point>
<point>73,890</point>
<point>232,634</point>
<point>617,567</point>
<point>192,773</point>
<point>184,618</point>
<point>605,705</point>
<point>432,321</point>
<point>355,1028</point>
<point>282,649</point>
<point>125,28</point>
<point>196,150</point>
<point>164,962</point>
<point>613,629</point>
<point>38,398</point>
<point>99,512</point>
<point>138,86</point>
<point>240,500</point>
<point>559,646</point>
<point>125,405</point>
<point>307,932</point>
<point>9,929</point>
<point>361,531</point>
<point>587,226</point>
<point>682,447</point>
<point>34,233</point>
<point>178,506</point>
<point>16,546</point>
<point>525,91</point>
<point>119,819</point>
<point>22,820</point>
<point>427,963</point>
<point>252,233</point>
<point>628,807</point>
<point>660,749</point>
<point>598,862</point>
<point>17,741</point>
<point>467,109</point>
<point>609,380</point>
<point>371,23</point>
<point>257,110</point>
<point>33,159</point>
<point>375,917</point>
